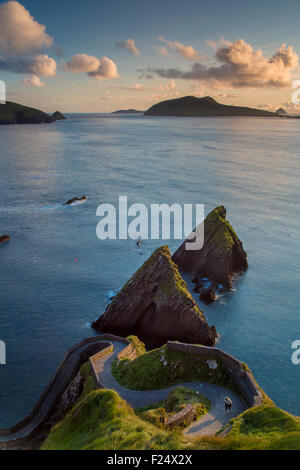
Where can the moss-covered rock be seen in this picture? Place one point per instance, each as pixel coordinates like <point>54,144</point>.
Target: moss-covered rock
<point>222,254</point>
<point>156,305</point>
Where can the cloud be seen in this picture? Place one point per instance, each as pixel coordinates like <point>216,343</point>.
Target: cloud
<point>186,52</point>
<point>41,65</point>
<point>34,81</point>
<point>240,66</point>
<point>103,68</point>
<point>129,45</point>
<point>136,87</point>
<point>20,33</point>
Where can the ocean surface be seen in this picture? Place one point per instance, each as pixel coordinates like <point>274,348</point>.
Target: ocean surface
<point>56,276</point>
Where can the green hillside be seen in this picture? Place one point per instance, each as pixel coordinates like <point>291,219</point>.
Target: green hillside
<point>14,113</point>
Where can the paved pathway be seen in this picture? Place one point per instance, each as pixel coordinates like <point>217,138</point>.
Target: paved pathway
<point>208,425</point>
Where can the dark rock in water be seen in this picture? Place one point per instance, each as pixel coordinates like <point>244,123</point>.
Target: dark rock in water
<point>222,254</point>
<point>75,199</point>
<point>198,288</point>
<point>58,116</point>
<point>139,242</point>
<point>208,296</point>
<point>4,238</point>
<point>156,306</point>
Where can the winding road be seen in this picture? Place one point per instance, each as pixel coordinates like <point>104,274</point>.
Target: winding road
<point>207,425</point>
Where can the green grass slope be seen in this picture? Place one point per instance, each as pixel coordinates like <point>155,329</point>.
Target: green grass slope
<point>14,113</point>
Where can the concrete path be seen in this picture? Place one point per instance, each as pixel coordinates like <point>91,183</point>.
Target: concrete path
<point>208,425</point>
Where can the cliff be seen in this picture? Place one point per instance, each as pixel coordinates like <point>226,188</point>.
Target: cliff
<point>222,254</point>
<point>14,113</point>
<point>207,106</point>
<point>156,306</point>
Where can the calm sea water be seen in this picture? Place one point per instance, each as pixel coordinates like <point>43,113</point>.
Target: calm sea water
<point>48,299</point>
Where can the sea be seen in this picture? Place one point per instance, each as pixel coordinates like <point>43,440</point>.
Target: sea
<point>57,276</point>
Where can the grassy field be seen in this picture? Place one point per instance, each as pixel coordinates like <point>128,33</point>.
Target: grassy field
<point>161,368</point>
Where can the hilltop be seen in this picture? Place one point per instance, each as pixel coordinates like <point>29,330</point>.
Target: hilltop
<point>207,106</point>
<point>14,113</point>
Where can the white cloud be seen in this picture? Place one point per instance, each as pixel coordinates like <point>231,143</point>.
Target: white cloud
<point>103,68</point>
<point>129,45</point>
<point>20,33</point>
<point>34,81</point>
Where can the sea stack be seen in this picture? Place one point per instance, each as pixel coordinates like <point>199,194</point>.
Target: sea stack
<point>221,256</point>
<point>156,306</point>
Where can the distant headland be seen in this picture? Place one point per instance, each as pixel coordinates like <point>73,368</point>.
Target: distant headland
<point>207,106</point>
<point>15,113</point>
<point>128,111</point>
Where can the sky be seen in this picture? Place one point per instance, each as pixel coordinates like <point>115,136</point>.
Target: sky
<point>99,56</point>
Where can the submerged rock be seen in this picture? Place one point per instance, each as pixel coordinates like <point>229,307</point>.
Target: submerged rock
<point>222,254</point>
<point>156,306</point>
<point>4,238</point>
<point>208,296</point>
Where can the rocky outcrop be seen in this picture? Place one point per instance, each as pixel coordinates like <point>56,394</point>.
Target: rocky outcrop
<point>221,256</point>
<point>58,116</point>
<point>4,238</point>
<point>156,306</point>
<point>208,296</point>
<point>76,200</point>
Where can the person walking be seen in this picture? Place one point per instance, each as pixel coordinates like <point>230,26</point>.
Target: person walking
<point>228,404</point>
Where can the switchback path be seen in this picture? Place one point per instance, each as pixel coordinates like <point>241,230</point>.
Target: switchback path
<point>208,425</point>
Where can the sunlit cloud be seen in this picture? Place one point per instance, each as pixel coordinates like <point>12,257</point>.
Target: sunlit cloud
<point>34,81</point>
<point>240,66</point>
<point>129,45</point>
<point>20,33</point>
<point>186,52</point>
<point>103,68</point>
<point>41,65</point>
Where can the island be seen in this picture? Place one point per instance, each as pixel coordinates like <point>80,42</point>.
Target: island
<point>206,107</point>
<point>128,111</point>
<point>14,113</point>
<point>58,116</point>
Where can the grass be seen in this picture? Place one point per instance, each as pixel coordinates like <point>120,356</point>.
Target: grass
<point>14,112</point>
<point>176,401</point>
<point>162,368</point>
<point>101,420</point>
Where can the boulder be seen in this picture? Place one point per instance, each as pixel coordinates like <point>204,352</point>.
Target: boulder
<point>156,306</point>
<point>208,296</point>
<point>221,256</point>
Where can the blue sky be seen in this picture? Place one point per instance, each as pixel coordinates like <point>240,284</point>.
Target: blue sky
<point>94,27</point>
